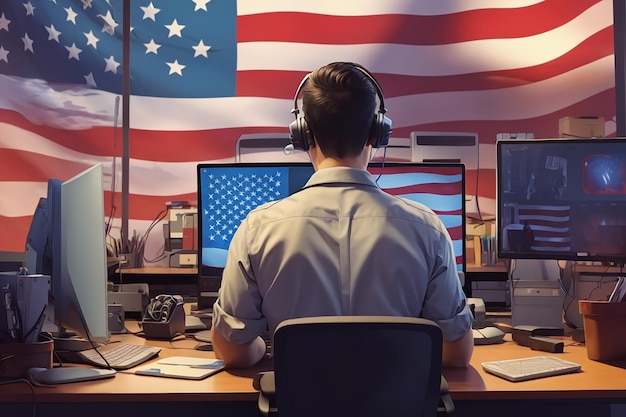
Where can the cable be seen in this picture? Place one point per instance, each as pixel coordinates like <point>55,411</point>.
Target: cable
<point>30,386</point>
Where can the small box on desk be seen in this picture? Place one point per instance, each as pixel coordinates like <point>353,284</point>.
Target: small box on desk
<point>605,329</point>
<point>581,127</point>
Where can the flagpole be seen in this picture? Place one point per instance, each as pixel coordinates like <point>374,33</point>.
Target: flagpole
<point>125,121</point>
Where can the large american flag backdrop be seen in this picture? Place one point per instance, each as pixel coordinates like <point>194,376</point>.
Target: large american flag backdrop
<point>204,72</point>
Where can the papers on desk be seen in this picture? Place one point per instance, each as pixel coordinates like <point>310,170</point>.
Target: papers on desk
<point>182,367</point>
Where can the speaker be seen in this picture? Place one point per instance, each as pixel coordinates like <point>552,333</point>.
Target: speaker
<point>381,125</point>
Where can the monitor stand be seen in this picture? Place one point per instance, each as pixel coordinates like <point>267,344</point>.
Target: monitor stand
<point>65,375</point>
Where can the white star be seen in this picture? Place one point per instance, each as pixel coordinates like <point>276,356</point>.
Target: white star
<point>28,43</point>
<point>175,67</point>
<point>150,12</point>
<point>71,15</point>
<point>175,29</point>
<point>200,4</point>
<point>201,49</point>
<point>152,47</point>
<point>109,23</point>
<point>4,23</point>
<point>30,9</point>
<point>73,51</point>
<point>86,3</point>
<point>4,55</point>
<point>111,65</point>
<point>92,39</point>
<point>89,79</point>
<point>53,34</point>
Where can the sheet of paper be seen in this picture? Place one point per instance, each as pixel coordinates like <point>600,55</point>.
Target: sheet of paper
<point>182,367</point>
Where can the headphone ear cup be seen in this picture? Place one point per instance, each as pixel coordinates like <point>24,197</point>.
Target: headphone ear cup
<point>381,130</point>
<point>299,132</point>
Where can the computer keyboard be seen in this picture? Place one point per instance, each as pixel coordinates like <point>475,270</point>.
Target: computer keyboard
<point>530,368</point>
<point>119,356</point>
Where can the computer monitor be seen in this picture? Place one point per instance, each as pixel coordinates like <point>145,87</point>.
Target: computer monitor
<point>75,244</point>
<point>561,199</point>
<point>227,192</point>
<point>38,248</point>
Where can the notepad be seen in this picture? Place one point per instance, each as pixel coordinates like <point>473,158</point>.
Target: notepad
<point>182,367</point>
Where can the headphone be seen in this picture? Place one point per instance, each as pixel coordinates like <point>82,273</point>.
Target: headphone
<point>381,125</point>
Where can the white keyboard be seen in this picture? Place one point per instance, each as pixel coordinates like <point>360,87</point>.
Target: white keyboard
<point>119,356</point>
<point>530,368</point>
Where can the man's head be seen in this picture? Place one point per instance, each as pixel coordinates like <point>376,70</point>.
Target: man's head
<point>340,111</point>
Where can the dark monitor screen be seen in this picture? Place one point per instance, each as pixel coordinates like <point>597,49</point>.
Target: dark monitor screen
<point>562,199</point>
<point>227,192</point>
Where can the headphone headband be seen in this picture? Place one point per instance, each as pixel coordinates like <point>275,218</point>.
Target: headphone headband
<point>381,125</point>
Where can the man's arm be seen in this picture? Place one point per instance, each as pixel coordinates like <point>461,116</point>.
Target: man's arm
<point>237,356</point>
<point>459,352</point>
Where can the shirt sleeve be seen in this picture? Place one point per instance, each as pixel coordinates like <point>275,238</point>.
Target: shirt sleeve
<point>445,301</point>
<point>237,314</point>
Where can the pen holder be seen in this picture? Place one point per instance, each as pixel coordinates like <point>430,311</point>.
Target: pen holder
<point>17,358</point>
<point>131,260</point>
<point>605,329</point>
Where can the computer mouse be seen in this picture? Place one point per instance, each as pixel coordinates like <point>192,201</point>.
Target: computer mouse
<point>487,335</point>
<point>206,347</point>
<point>30,372</point>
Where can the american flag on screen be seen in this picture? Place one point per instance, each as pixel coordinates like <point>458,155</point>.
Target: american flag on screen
<point>228,194</point>
<point>205,72</point>
<point>549,225</point>
<point>438,187</point>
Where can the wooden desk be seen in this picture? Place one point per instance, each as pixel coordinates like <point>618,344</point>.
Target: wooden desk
<point>595,391</point>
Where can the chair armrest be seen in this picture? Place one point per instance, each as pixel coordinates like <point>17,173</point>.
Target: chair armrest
<point>446,405</point>
<point>264,382</point>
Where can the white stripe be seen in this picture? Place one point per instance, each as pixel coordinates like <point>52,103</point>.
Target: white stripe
<point>372,7</point>
<point>176,114</point>
<point>431,60</point>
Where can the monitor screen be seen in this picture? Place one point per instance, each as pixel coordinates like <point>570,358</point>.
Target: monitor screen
<point>79,273</point>
<point>227,192</point>
<point>562,199</point>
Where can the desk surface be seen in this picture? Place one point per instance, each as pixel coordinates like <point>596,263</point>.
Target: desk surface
<point>597,380</point>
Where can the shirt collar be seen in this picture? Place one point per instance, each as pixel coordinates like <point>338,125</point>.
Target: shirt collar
<point>341,175</point>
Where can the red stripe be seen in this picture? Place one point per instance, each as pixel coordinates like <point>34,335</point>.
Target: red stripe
<point>431,188</point>
<point>13,231</point>
<point>18,165</point>
<point>282,84</point>
<point>409,29</point>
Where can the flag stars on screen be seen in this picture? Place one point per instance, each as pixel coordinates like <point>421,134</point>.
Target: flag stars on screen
<point>227,191</point>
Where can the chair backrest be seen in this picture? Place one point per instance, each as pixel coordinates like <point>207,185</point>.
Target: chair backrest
<point>357,366</point>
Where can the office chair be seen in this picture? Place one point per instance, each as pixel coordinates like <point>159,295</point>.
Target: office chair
<point>355,366</point>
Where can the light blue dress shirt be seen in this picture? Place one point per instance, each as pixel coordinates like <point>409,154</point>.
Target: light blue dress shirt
<point>340,246</point>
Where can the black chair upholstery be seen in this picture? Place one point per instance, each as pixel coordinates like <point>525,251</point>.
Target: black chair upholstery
<point>355,366</point>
